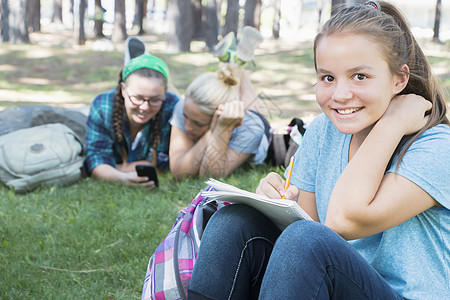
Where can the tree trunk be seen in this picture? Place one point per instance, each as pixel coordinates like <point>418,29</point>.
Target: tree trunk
<point>211,24</point>
<point>14,16</point>
<point>437,21</point>
<point>197,20</point>
<point>79,7</point>
<point>179,20</point>
<point>252,13</point>
<point>119,33</point>
<point>98,19</point>
<point>34,15</point>
<point>232,17</point>
<point>139,14</point>
<point>57,11</point>
<point>276,19</point>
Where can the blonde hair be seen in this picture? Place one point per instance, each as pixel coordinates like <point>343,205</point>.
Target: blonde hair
<point>208,90</point>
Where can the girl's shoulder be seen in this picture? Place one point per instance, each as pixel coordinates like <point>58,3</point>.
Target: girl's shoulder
<point>102,105</point>
<point>104,98</point>
<point>171,99</point>
<point>439,134</point>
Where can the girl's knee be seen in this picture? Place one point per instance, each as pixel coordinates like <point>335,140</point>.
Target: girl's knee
<point>302,236</point>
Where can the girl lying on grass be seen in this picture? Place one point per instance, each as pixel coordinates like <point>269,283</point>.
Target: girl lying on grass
<point>213,132</point>
<point>129,125</point>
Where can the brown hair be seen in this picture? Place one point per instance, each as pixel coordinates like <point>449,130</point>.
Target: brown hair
<point>391,32</point>
<point>118,109</point>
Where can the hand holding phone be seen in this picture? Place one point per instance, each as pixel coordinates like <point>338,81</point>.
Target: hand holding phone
<point>148,171</point>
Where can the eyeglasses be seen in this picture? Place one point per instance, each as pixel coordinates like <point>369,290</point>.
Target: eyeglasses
<point>138,100</point>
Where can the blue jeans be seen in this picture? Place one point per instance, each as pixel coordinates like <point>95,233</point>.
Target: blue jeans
<point>244,256</point>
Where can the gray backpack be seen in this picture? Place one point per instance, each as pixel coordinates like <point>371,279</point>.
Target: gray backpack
<point>50,154</point>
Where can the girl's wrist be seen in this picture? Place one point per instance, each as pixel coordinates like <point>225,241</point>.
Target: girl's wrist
<point>391,125</point>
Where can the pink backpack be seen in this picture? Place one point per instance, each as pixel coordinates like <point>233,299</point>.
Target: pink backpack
<point>170,267</point>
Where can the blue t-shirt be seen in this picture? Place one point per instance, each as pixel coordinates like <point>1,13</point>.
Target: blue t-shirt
<point>248,138</point>
<point>413,257</point>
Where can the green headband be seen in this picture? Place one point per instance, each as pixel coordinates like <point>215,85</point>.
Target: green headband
<point>145,61</point>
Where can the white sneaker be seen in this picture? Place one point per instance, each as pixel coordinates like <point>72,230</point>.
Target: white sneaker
<point>250,39</point>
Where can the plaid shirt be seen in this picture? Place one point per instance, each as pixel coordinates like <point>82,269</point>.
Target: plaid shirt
<point>101,146</point>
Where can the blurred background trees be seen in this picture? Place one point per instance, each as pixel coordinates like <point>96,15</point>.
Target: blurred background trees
<point>184,20</point>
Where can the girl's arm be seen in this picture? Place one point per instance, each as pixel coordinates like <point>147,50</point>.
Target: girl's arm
<point>185,155</point>
<point>365,200</point>
<point>107,172</point>
<point>219,160</point>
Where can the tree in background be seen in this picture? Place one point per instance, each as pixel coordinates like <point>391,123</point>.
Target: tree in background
<point>98,19</point>
<point>252,13</point>
<point>179,22</point>
<point>34,16</point>
<point>119,33</point>
<point>139,15</point>
<point>57,16</point>
<point>211,23</point>
<point>276,19</point>
<point>198,27</point>
<point>437,21</point>
<point>13,18</point>
<point>79,9</point>
<point>231,17</point>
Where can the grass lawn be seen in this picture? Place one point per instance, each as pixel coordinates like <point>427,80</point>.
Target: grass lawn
<point>92,239</point>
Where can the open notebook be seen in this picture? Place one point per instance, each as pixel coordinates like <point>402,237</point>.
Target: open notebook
<point>282,212</point>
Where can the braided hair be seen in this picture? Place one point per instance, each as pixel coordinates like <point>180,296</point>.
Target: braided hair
<point>118,109</point>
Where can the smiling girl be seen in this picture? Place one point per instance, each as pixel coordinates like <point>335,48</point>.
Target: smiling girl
<point>373,171</point>
<point>129,125</point>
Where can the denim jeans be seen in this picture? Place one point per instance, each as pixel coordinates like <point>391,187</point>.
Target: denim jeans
<point>244,256</point>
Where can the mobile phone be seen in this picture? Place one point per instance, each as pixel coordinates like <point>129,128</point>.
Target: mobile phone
<point>149,171</point>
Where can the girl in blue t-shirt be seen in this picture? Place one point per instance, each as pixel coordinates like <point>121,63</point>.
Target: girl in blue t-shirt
<point>373,171</point>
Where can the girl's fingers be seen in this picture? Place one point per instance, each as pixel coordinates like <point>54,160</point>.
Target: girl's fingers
<point>271,185</point>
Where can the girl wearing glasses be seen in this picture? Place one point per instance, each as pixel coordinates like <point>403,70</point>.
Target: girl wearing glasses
<point>213,132</point>
<point>129,125</point>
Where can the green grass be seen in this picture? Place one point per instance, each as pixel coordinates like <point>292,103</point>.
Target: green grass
<point>92,239</point>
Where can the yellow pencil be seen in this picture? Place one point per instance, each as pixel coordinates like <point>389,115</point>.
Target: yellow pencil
<point>288,178</point>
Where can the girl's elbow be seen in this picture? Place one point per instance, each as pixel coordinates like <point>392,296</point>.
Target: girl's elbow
<point>345,227</point>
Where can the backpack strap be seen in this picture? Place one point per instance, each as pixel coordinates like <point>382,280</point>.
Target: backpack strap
<point>265,122</point>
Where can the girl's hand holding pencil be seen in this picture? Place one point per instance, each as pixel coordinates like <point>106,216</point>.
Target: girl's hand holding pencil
<point>288,178</point>
<point>275,187</point>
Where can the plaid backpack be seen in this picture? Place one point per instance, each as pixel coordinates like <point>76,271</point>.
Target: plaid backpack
<point>170,267</point>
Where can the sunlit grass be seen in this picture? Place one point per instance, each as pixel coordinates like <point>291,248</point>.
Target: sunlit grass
<point>92,239</point>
